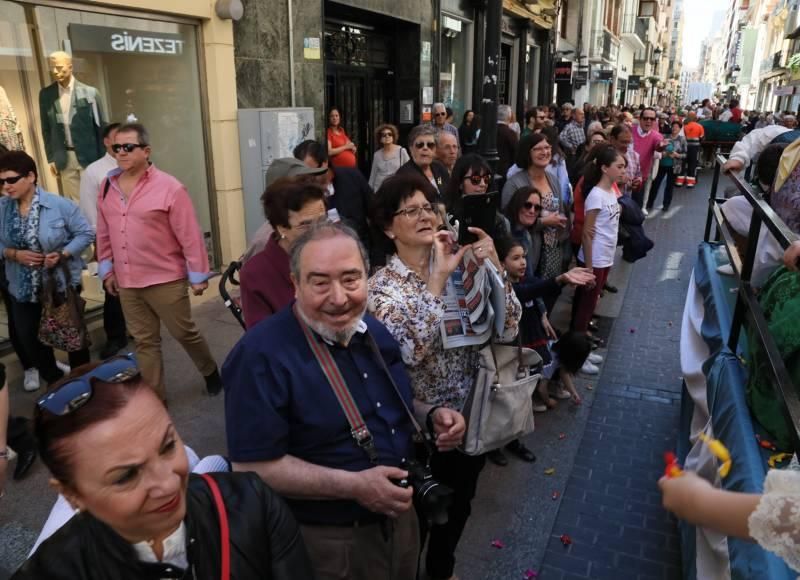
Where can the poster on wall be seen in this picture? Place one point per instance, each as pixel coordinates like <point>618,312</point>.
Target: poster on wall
<point>563,72</point>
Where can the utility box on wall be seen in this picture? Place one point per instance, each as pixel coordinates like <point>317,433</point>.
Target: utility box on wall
<point>265,135</point>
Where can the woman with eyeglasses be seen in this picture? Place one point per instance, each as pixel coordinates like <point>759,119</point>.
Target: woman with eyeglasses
<point>39,233</point>
<point>422,144</point>
<point>291,206</point>
<point>115,455</point>
<point>553,223</point>
<point>407,296</point>
<point>389,158</point>
<point>341,150</point>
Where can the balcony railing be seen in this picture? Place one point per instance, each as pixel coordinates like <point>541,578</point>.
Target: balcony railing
<point>603,46</point>
<point>632,25</point>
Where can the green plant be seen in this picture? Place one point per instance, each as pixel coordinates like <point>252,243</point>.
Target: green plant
<point>794,62</point>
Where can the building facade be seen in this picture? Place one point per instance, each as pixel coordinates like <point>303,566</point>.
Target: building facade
<point>165,63</point>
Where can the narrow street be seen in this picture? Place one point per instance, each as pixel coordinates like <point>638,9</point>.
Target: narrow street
<point>611,455</point>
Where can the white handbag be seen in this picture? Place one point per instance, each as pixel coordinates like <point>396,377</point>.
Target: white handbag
<point>498,409</point>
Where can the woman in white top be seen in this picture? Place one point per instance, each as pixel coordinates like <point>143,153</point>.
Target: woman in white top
<point>389,158</point>
<point>600,229</point>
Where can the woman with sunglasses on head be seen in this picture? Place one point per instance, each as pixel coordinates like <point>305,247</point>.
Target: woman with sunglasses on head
<point>114,454</point>
<point>41,235</point>
<point>389,158</point>
<point>407,297</point>
<point>422,144</point>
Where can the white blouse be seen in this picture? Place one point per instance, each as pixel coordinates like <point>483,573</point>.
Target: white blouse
<point>775,523</point>
<point>174,550</point>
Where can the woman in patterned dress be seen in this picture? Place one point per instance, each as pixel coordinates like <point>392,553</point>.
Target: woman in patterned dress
<point>406,295</point>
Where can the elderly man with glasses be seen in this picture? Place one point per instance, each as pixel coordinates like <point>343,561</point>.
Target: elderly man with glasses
<point>646,142</point>
<point>440,120</point>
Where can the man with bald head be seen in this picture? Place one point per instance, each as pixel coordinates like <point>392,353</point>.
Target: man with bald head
<point>447,150</point>
<point>72,116</point>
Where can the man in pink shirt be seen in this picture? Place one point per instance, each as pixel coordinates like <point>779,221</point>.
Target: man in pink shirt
<point>150,251</point>
<point>646,141</point>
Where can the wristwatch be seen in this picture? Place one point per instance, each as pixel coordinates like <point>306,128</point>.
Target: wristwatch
<point>4,453</point>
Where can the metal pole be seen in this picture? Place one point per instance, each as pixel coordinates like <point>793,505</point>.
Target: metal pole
<point>487,143</point>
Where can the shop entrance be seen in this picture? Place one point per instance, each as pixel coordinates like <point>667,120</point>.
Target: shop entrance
<point>372,62</point>
<point>504,84</point>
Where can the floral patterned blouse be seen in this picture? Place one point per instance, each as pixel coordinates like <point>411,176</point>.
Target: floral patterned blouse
<point>400,299</point>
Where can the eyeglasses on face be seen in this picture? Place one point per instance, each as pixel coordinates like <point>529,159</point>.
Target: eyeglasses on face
<point>10,180</point>
<point>547,149</point>
<point>440,114</point>
<point>415,212</point>
<point>127,147</point>
<point>477,179</point>
<point>648,118</point>
<point>386,134</point>
<point>529,205</point>
<point>306,224</point>
<point>76,392</point>
<point>424,144</point>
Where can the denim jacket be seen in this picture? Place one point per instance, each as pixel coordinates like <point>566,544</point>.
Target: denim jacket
<point>62,227</point>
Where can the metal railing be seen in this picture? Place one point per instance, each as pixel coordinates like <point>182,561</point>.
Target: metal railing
<point>746,300</point>
<point>634,25</point>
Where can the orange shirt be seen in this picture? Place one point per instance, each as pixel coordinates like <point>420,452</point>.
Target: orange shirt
<point>345,158</point>
<point>693,131</point>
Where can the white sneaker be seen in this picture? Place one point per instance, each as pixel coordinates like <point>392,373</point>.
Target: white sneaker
<point>589,369</point>
<point>562,394</point>
<point>595,358</point>
<point>31,382</point>
<point>645,212</point>
<point>726,270</point>
<point>63,367</point>
<point>539,407</point>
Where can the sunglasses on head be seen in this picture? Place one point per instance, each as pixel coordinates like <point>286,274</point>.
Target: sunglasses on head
<point>128,147</point>
<point>422,144</point>
<point>530,205</point>
<point>477,179</point>
<point>10,180</point>
<point>76,392</point>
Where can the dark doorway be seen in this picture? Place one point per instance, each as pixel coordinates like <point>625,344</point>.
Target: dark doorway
<point>504,81</point>
<point>368,60</point>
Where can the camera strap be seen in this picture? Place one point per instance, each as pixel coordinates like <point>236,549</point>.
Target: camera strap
<point>358,427</point>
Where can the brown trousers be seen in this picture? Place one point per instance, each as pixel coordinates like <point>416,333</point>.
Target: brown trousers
<point>70,178</point>
<point>388,551</point>
<point>145,309</point>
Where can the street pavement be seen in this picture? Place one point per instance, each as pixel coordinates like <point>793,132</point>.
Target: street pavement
<point>605,454</point>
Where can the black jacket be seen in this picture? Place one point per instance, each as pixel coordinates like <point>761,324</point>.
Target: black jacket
<point>507,141</point>
<point>352,195</point>
<point>440,175</point>
<point>264,537</point>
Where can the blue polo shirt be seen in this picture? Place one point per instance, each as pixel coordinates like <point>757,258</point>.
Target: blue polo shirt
<point>279,402</point>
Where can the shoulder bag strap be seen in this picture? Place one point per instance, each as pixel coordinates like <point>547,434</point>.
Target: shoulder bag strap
<point>106,187</point>
<point>224,531</point>
<point>358,427</point>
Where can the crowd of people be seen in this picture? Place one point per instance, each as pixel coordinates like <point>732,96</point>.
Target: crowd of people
<point>344,398</point>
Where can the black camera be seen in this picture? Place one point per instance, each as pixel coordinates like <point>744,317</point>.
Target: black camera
<point>431,497</point>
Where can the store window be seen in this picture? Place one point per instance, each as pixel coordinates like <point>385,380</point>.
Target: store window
<point>455,73</point>
<point>124,69</point>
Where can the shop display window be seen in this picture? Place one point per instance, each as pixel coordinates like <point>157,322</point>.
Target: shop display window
<point>125,69</point>
<point>455,72</point>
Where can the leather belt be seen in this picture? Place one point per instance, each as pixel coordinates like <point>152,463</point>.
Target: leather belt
<point>70,148</point>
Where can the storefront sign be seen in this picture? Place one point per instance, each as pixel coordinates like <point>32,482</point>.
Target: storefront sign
<point>563,72</point>
<point>602,76</point>
<point>87,38</point>
<point>581,78</point>
<point>784,91</point>
<point>634,82</point>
